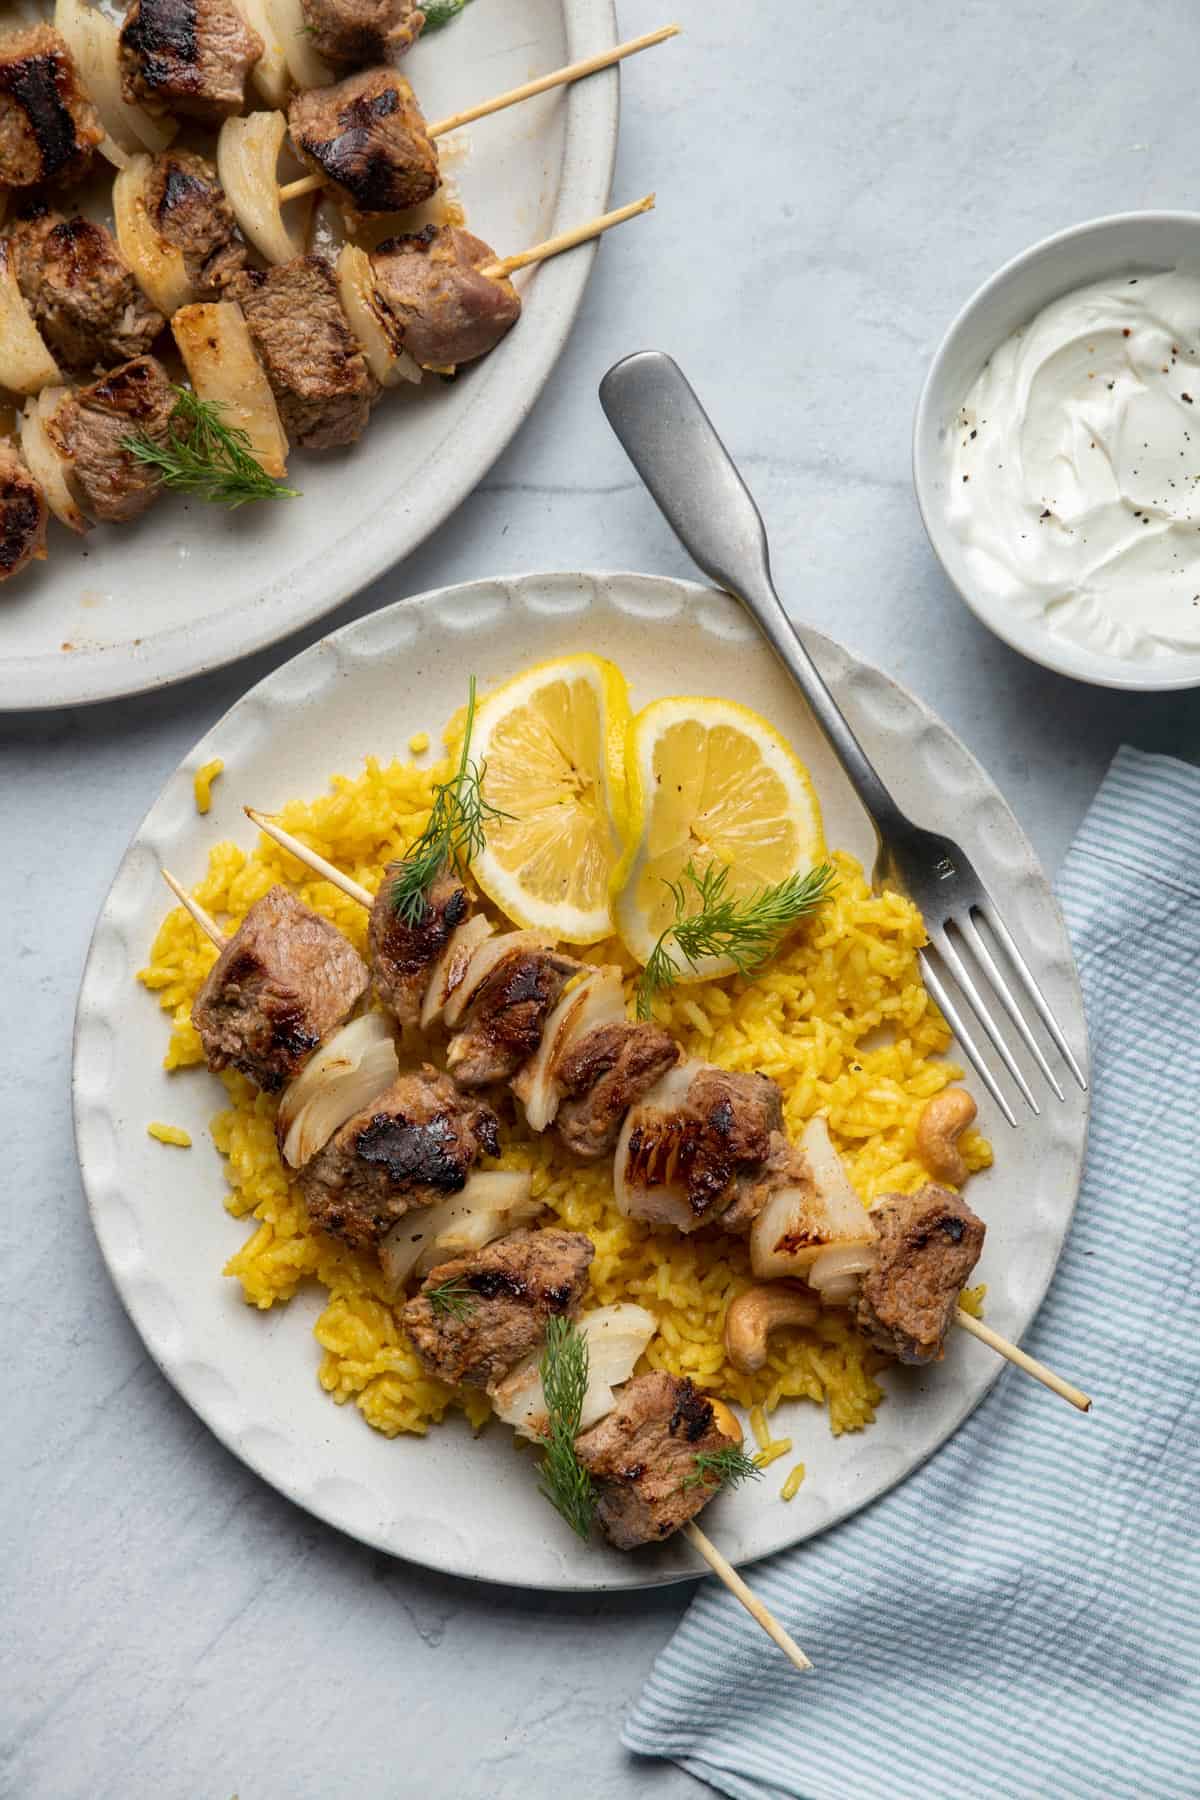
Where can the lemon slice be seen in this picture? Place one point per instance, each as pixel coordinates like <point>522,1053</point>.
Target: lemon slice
<point>553,741</point>
<point>709,782</point>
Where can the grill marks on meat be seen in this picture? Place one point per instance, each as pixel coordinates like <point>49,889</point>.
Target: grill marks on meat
<point>81,292</point>
<point>928,1244</point>
<point>446,311</point>
<point>716,1146</point>
<point>414,1144</point>
<point>351,34</point>
<point>506,1295</point>
<point>22,515</point>
<point>282,983</point>
<point>503,1024</point>
<point>643,1453</point>
<point>402,956</point>
<point>186,204</point>
<point>367,135</point>
<point>48,127</point>
<point>322,385</point>
<point>603,1075</point>
<point>187,56</point>
<point>88,427</point>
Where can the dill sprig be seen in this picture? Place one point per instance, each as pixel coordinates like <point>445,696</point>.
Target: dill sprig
<point>746,930</point>
<point>440,12</point>
<point>206,458</point>
<point>565,1482</point>
<point>722,1468</point>
<point>456,830</point>
<point>452,1299</point>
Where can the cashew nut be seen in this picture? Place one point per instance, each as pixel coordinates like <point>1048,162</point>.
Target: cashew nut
<point>942,1122</point>
<point>725,1420</point>
<point>754,1315</point>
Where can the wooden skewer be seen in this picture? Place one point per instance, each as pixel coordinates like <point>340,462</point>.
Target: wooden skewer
<point>725,1571</point>
<point>204,920</point>
<point>1021,1360</point>
<point>588,65</point>
<point>567,240</point>
<point>303,854</point>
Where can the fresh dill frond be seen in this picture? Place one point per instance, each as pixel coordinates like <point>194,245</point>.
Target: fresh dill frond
<point>565,1482</point>
<point>457,828</point>
<point>722,1468</point>
<point>745,930</point>
<point>440,12</point>
<point>206,458</point>
<point>452,1299</point>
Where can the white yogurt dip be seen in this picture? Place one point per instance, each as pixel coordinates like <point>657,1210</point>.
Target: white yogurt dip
<point>1074,467</point>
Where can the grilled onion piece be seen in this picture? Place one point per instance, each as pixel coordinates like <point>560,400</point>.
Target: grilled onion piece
<point>291,28</point>
<point>597,998</point>
<point>489,955</point>
<point>48,468</point>
<point>214,341</point>
<point>493,1203</point>
<point>270,74</point>
<point>94,41</point>
<point>616,1336</point>
<point>801,1222</point>
<point>344,1076</point>
<point>26,365</point>
<point>159,267</point>
<point>248,164</point>
<point>371,323</point>
<point>452,965</point>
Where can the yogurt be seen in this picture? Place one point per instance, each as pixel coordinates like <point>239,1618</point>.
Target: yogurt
<point>1074,467</point>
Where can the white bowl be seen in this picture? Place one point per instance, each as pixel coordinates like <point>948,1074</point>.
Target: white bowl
<point>1143,242</point>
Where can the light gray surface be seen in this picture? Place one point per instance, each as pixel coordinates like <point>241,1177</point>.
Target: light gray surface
<point>831,185</point>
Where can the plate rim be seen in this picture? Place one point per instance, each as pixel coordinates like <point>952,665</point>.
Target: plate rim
<point>32,682</point>
<point>691,593</point>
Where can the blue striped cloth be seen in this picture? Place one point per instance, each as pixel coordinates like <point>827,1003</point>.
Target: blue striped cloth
<point>1022,1617</point>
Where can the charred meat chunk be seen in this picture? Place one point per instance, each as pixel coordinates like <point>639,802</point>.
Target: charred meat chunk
<point>352,34</point>
<point>90,425</point>
<point>402,956</point>
<point>446,311</point>
<point>367,136</point>
<point>187,56</point>
<point>477,1316</point>
<point>503,1023</point>
<point>698,1148</point>
<point>48,127</point>
<point>319,376</point>
<point>186,204</point>
<point>928,1244</point>
<point>414,1144</point>
<point>603,1075</point>
<point>284,981</point>
<point>642,1456</point>
<point>81,292</point>
<point>22,515</point>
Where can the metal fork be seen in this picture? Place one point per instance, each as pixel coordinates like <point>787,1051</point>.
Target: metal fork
<point>675,449</point>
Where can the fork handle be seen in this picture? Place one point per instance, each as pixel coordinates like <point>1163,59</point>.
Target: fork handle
<point>673,445</point>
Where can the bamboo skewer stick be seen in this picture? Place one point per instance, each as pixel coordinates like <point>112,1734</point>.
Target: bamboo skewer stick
<point>567,240</point>
<point>725,1571</point>
<point>1022,1360</point>
<point>589,65</point>
<point>310,858</point>
<point>205,921</point>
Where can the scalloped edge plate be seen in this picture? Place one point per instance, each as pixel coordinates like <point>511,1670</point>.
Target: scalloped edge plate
<point>471,1508</point>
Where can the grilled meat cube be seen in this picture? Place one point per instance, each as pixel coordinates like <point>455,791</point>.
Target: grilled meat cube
<point>186,204</point>
<point>503,1023</point>
<point>697,1148</point>
<point>283,982</point>
<point>22,514</point>
<point>402,956</point>
<point>642,1456</point>
<point>414,1144</point>
<point>603,1075</point>
<point>48,127</point>
<point>928,1244</point>
<point>352,34</point>
<point>496,1304</point>
<point>81,292</point>
<point>88,427</point>
<point>322,385</point>
<point>367,135</point>
<point>187,56</point>
<point>446,311</point>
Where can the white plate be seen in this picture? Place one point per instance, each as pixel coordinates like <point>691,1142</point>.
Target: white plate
<point>451,1503</point>
<point>190,587</point>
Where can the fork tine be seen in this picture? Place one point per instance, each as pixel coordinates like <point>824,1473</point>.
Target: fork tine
<point>992,969</point>
<point>988,910</point>
<point>950,954</point>
<point>954,1019</point>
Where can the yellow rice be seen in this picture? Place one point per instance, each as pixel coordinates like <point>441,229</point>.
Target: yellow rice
<point>839,1019</point>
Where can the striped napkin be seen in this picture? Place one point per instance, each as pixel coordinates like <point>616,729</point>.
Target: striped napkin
<point>1022,1616</point>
